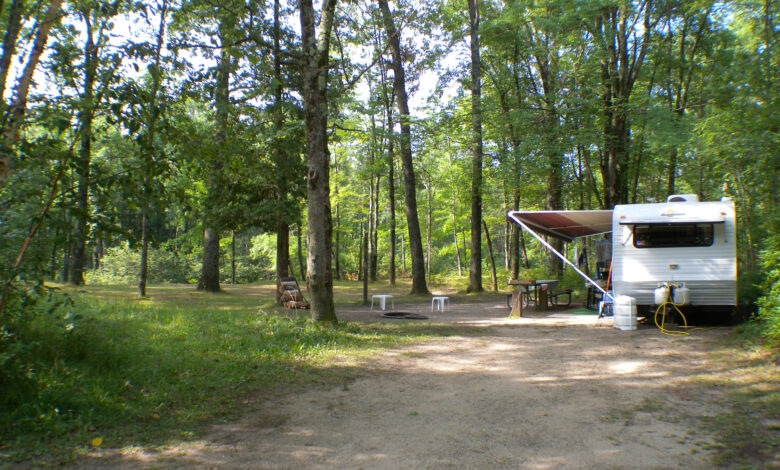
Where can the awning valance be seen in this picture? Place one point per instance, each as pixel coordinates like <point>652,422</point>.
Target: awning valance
<point>567,225</point>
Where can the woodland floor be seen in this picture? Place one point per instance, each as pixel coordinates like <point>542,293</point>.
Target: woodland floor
<point>547,391</point>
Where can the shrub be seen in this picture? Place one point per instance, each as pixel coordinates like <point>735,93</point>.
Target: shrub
<point>121,265</point>
<point>769,304</point>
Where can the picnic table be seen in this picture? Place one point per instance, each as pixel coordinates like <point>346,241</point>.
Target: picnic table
<point>528,291</point>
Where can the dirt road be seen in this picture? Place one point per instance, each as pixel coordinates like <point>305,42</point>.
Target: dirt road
<point>548,392</point>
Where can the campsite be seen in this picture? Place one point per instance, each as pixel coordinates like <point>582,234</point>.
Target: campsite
<point>389,234</point>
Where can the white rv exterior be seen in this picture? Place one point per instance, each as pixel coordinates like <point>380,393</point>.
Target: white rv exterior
<point>687,242</point>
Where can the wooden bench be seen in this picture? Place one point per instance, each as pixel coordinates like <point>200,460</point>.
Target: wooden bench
<point>554,298</point>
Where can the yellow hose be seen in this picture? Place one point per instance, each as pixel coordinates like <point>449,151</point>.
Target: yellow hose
<point>663,317</point>
<point>663,320</point>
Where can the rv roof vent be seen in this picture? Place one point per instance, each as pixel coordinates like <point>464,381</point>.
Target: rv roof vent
<point>683,198</point>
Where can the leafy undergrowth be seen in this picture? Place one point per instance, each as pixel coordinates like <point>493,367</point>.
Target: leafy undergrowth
<point>137,373</point>
<point>747,432</point>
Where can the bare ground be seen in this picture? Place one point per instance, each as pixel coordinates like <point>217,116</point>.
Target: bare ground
<point>540,392</point>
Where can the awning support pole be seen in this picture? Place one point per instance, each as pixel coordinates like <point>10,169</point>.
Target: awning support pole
<point>563,258</point>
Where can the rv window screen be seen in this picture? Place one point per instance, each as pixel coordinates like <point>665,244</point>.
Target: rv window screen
<point>672,235</point>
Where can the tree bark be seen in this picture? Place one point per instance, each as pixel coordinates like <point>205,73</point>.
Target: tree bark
<point>364,243</point>
<point>149,149</point>
<point>419,283</point>
<point>620,65</point>
<point>391,207</point>
<point>492,258</point>
<point>282,223</point>
<point>86,112</point>
<point>315,75</point>
<point>514,243</point>
<point>428,221</point>
<point>389,135</point>
<point>14,115</point>
<point>375,232</point>
<point>144,267</point>
<point>455,219</point>
<point>301,265</point>
<point>475,269</point>
<point>13,26</point>
<point>233,257</point>
<point>209,278</point>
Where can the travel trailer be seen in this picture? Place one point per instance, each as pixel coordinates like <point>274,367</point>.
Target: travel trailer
<point>683,246</point>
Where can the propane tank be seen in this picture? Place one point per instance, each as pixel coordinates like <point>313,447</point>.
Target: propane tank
<point>661,294</point>
<point>682,295</point>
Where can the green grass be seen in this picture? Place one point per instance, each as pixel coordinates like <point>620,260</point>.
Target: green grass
<point>745,431</point>
<point>146,372</point>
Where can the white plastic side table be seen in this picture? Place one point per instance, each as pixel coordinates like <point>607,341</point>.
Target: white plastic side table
<point>439,303</point>
<point>382,300</point>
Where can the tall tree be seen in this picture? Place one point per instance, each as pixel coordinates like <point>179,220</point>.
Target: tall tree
<point>316,48</point>
<point>148,140</point>
<point>622,33</point>
<point>226,32</point>
<point>419,284</point>
<point>475,270</point>
<point>98,72</point>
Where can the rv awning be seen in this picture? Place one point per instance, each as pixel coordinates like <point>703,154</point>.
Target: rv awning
<point>566,225</point>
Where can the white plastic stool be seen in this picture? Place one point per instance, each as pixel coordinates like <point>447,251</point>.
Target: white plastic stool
<point>439,302</point>
<point>382,300</point>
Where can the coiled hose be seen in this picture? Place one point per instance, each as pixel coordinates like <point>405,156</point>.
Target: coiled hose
<point>663,320</point>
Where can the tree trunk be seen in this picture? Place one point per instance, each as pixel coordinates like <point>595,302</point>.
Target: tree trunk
<point>419,284</point>
<point>209,277</point>
<point>301,265</point>
<point>390,136</point>
<point>147,154</point>
<point>361,251</point>
<point>391,207</point>
<point>14,115</point>
<point>282,249</point>
<point>429,221</point>
<point>403,253</point>
<point>364,243</point>
<point>371,228</point>
<point>475,269</point>
<point>282,224</point>
<point>85,155</point>
<point>144,265</point>
<point>492,259</point>
<point>375,232</point>
<point>13,26</point>
<point>209,280</point>
<point>315,77</point>
<point>623,52</point>
<point>514,243</point>
<point>455,220</point>
<point>337,243</point>
<point>233,257</point>
<point>526,263</point>
<point>554,198</point>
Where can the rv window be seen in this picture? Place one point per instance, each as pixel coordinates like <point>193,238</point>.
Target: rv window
<point>672,235</point>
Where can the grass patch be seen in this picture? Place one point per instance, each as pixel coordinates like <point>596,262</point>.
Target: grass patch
<point>745,432</point>
<point>137,373</point>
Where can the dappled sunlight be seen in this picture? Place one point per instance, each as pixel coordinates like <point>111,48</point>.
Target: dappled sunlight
<point>627,367</point>
<point>511,394</point>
